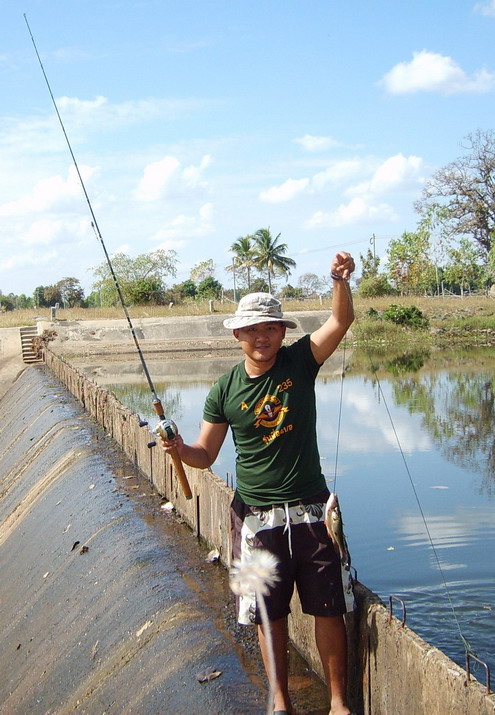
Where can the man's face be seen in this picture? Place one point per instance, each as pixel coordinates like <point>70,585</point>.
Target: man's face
<point>261,342</point>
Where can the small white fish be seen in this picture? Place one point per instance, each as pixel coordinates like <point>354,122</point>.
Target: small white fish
<point>335,529</point>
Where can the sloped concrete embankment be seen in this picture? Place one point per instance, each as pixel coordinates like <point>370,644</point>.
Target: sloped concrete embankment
<point>162,329</point>
<point>96,614</point>
<point>392,670</point>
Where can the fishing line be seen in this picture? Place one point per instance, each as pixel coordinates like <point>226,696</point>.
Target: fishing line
<point>374,369</point>
<point>165,428</point>
<point>94,223</point>
<point>341,396</point>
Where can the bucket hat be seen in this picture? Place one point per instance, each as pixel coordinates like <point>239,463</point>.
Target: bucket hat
<point>258,308</point>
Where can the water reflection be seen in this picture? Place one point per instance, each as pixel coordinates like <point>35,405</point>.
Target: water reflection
<point>461,528</point>
<point>136,396</point>
<point>458,412</point>
<point>366,425</point>
<point>413,462</point>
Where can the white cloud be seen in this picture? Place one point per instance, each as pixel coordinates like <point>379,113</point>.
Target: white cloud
<point>358,210</point>
<point>84,109</point>
<point>43,232</point>
<point>396,173</point>
<point>486,8</point>
<point>100,113</point>
<point>51,194</point>
<point>160,176</point>
<point>46,231</point>
<point>432,72</point>
<point>184,227</point>
<point>206,212</point>
<point>123,248</point>
<point>312,143</point>
<point>27,259</point>
<point>339,171</point>
<point>156,177</point>
<point>29,135</point>
<point>285,192</point>
<point>193,174</point>
<point>336,173</point>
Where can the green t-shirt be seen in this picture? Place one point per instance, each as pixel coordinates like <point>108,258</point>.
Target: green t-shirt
<point>273,422</point>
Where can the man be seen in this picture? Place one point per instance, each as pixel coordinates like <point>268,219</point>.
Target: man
<point>268,400</point>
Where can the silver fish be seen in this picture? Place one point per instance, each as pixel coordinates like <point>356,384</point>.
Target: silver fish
<point>335,528</point>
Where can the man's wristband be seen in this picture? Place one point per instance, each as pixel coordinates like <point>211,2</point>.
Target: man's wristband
<point>336,277</point>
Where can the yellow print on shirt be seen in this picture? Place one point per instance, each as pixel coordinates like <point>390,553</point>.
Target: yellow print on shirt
<point>269,412</point>
<point>277,433</point>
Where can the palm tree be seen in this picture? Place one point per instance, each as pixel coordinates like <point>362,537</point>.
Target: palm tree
<point>243,256</point>
<point>268,254</point>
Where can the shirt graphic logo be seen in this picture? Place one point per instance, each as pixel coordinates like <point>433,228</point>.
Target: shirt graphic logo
<point>269,412</point>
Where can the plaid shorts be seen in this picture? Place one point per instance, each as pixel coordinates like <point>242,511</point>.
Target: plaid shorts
<point>295,533</point>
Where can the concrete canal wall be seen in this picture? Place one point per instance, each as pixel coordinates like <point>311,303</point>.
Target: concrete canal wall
<point>392,670</point>
<point>196,327</point>
<point>103,607</point>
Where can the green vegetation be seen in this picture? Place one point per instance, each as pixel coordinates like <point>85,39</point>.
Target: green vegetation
<point>407,315</point>
<point>141,279</point>
<point>425,322</point>
<point>375,286</point>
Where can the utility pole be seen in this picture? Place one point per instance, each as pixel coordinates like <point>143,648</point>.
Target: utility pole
<point>372,241</point>
<point>233,273</point>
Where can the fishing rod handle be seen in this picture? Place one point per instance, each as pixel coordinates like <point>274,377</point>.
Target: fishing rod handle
<point>181,474</point>
<point>168,429</point>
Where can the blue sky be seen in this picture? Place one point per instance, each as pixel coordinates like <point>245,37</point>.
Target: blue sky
<point>195,122</point>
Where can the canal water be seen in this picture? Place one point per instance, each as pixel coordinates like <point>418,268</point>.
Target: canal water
<point>408,443</point>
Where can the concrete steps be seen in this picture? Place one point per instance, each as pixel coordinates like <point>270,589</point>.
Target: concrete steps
<point>29,355</point>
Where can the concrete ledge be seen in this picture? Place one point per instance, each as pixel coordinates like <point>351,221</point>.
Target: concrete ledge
<point>197,327</point>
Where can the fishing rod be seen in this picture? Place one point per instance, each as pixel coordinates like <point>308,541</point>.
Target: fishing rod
<point>165,428</point>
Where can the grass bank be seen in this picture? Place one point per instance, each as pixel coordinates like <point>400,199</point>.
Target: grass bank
<point>451,321</point>
<point>469,320</point>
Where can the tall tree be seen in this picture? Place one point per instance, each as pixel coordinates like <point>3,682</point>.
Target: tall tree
<point>39,297</point>
<point>409,265</point>
<point>71,292</point>
<point>209,288</point>
<point>463,269</point>
<point>6,303</point>
<point>201,271</point>
<point>269,255</point>
<point>310,285</point>
<point>243,258</point>
<point>140,279</point>
<point>462,194</point>
<point>52,294</point>
<point>491,262</point>
<point>186,289</point>
<point>369,265</point>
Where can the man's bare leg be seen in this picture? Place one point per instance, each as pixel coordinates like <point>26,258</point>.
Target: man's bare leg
<point>331,639</point>
<point>280,686</point>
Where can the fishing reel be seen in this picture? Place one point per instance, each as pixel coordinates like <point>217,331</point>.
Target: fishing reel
<point>166,428</point>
